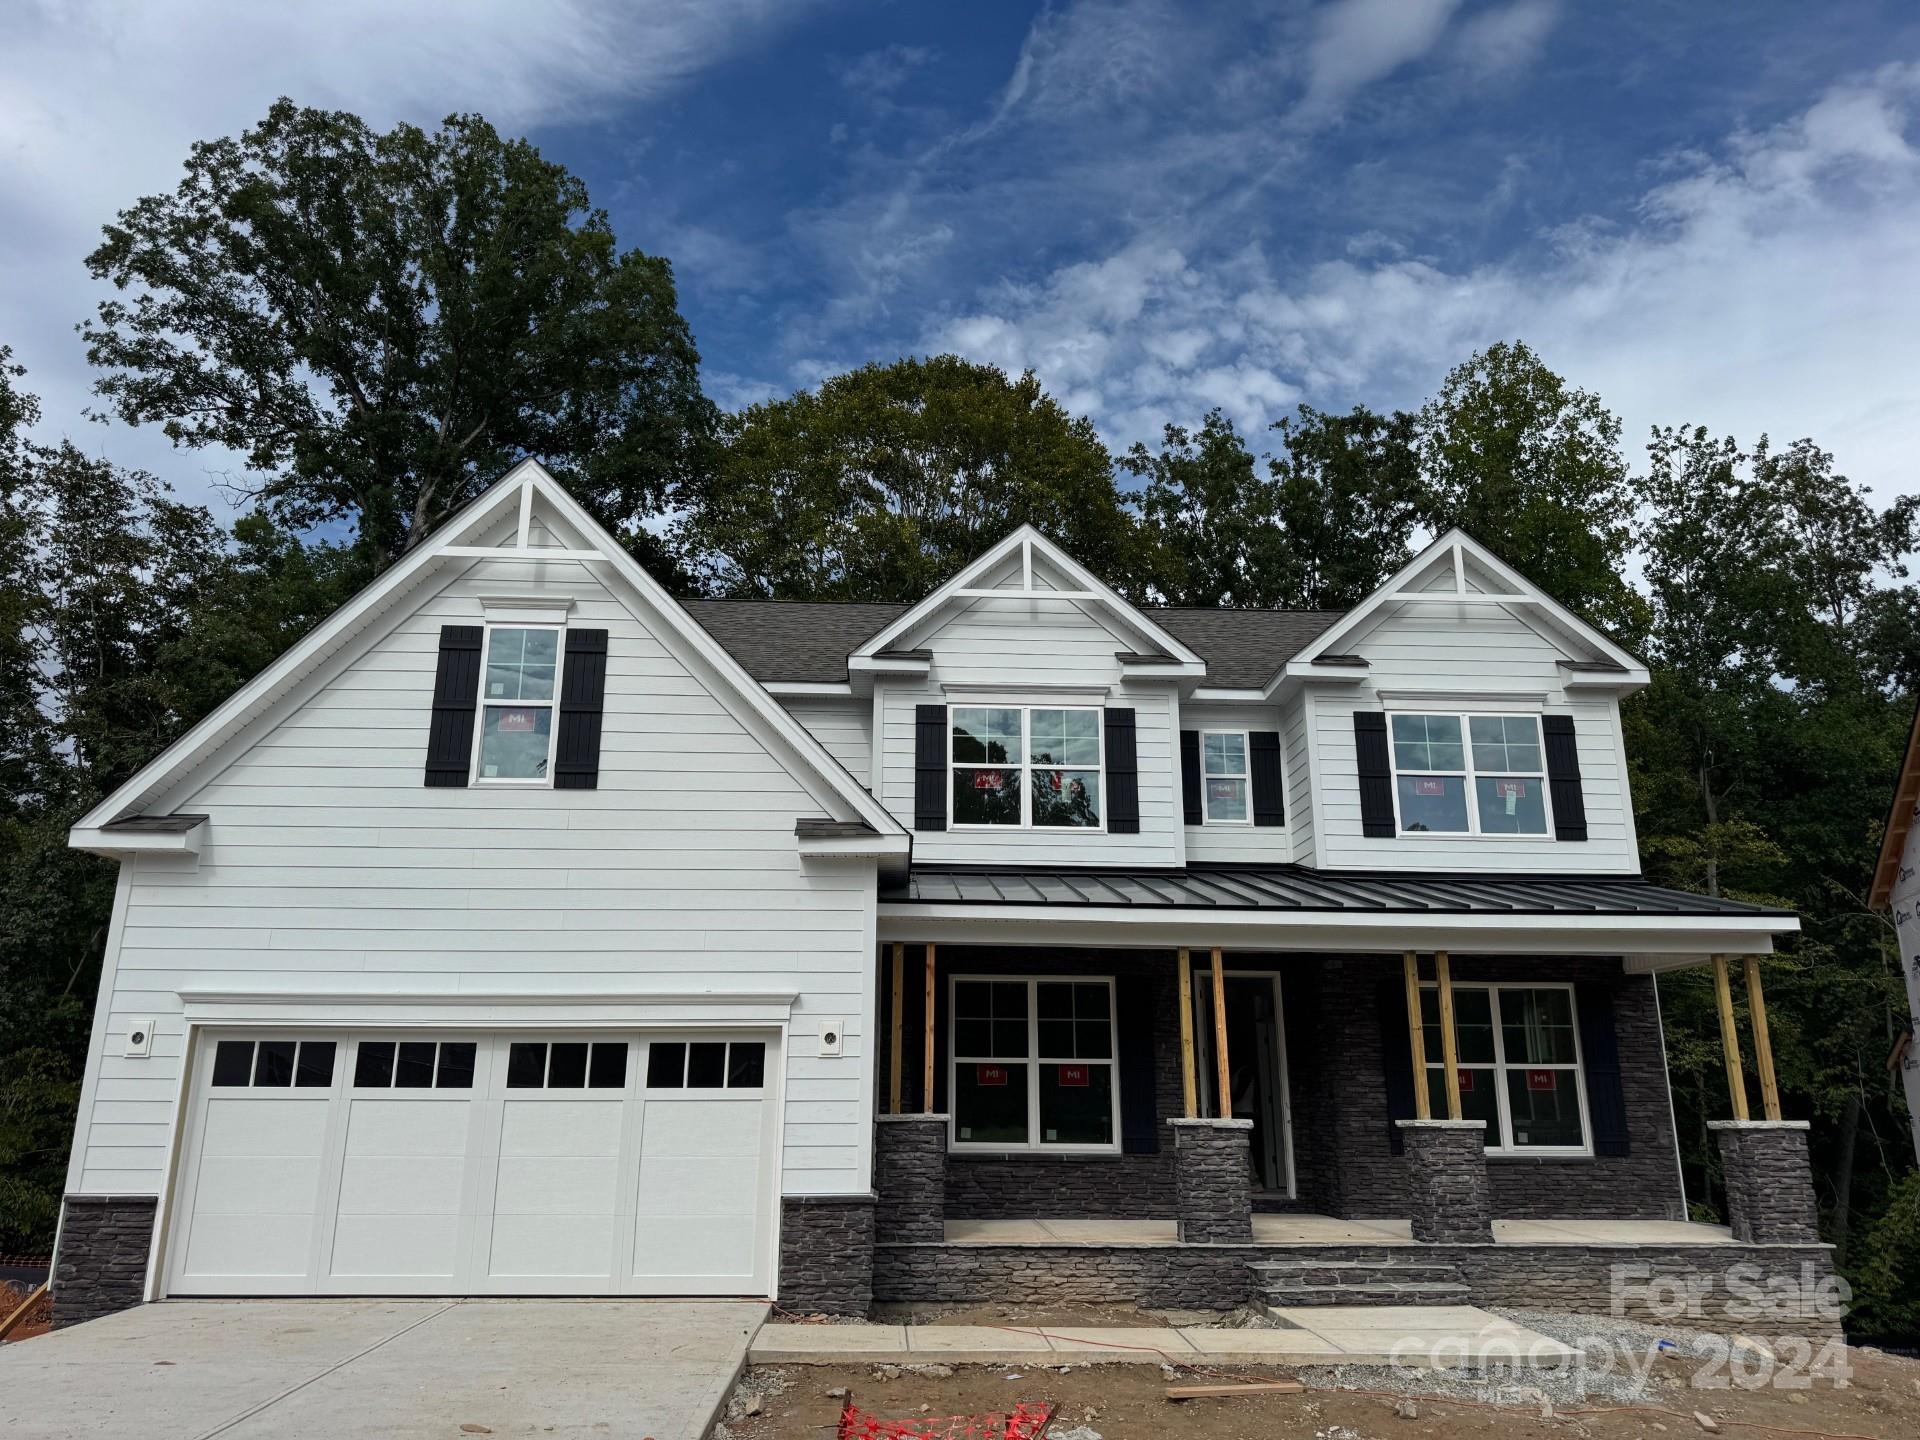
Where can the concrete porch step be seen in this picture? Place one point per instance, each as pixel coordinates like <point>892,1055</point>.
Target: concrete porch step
<point>1355,1272</point>
<point>1293,1297</point>
<point>1376,1279</point>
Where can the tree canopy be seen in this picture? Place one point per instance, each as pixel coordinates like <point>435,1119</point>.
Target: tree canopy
<point>380,324</point>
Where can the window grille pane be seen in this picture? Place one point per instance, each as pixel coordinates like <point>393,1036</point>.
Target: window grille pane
<point>1479,1100</point>
<point>706,1065</point>
<point>1224,754</point>
<point>315,1068</point>
<point>746,1065</point>
<point>373,1065</point>
<point>1436,803</point>
<point>990,1104</point>
<point>233,1062</point>
<point>1076,1105</point>
<point>1427,742</point>
<point>667,1065</point>
<point>455,1070</point>
<point>986,735</point>
<point>1544,1106</point>
<point>1067,798</point>
<point>526,1065</point>
<point>986,795</point>
<point>567,1065</point>
<point>1536,1027</point>
<point>609,1069</point>
<point>1226,799</point>
<point>415,1068</point>
<point>513,742</point>
<point>1512,805</point>
<point>1066,737</point>
<point>273,1063</point>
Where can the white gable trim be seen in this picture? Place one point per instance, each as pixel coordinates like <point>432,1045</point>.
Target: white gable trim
<point>514,494</point>
<point>1517,595</point>
<point>1089,592</point>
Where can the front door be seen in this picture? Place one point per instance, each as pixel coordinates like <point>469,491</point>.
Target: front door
<point>1256,1067</point>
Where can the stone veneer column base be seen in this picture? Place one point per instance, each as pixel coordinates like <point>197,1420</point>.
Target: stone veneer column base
<point>910,1179</point>
<point>1448,1198</point>
<point>1213,1181</point>
<point>1770,1199</point>
<point>101,1265</point>
<point>826,1254</point>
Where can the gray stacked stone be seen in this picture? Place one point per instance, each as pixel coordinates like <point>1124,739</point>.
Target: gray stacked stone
<point>910,1179</point>
<point>826,1254</point>
<point>1770,1199</point>
<point>1448,1199</point>
<point>1213,1181</point>
<point>101,1265</point>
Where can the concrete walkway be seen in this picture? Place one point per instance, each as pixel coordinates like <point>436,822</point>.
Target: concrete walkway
<point>252,1369</point>
<point>1420,1336</point>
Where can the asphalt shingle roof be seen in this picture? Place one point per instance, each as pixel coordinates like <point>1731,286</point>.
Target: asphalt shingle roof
<point>798,641</point>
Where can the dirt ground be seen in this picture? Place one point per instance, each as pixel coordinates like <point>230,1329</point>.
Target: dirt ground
<point>1128,1402</point>
<point>35,1324</point>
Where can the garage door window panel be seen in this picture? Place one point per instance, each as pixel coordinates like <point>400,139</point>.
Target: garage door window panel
<point>706,1065</point>
<point>413,1064</point>
<point>273,1064</point>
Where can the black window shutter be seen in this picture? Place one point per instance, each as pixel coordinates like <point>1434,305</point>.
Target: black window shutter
<point>1133,1011</point>
<point>1376,785</point>
<point>583,700</point>
<point>1563,778</point>
<point>1263,754</point>
<point>1190,776</point>
<point>1123,775</point>
<point>930,767</point>
<point>1600,1051</point>
<point>456,698</point>
<point>1396,1057</point>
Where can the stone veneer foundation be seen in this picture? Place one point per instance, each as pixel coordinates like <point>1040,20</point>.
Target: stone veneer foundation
<point>826,1254</point>
<point>101,1263</point>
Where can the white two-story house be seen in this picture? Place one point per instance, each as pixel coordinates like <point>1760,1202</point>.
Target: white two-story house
<point>524,930</point>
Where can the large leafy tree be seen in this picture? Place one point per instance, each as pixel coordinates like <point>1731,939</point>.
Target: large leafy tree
<point>379,324</point>
<point>1532,467</point>
<point>1209,516</point>
<point>882,482</point>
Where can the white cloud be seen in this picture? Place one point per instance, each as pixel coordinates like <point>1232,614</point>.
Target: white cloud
<point>881,72</point>
<point>100,100</point>
<point>1357,42</point>
<point>1507,38</point>
<point>1767,286</point>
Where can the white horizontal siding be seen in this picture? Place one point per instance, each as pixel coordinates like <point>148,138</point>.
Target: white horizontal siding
<point>1470,650</point>
<point>327,863</point>
<point>1240,844</point>
<point>843,725</point>
<point>1017,648</point>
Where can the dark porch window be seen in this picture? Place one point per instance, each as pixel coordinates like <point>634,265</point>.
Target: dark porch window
<point>1033,1064</point>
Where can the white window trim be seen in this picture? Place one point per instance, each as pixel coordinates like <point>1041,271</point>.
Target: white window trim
<point>1033,1061</point>
<point>1469,775</point>
<point>1026,766</point>
<point>1501,1066</point>
<point>1245,775</point>
<point>533,782</point>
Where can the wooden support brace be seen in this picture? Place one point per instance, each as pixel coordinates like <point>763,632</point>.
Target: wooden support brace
<point>926,1089</point>
<point>1189,1081</point>
<point>897,1049</point>
<point>1449,1044</point>
<point>1729,1038</point>
<point>1762,1042</point>
<point>1417,1039</point>
<point>1220,1036</point>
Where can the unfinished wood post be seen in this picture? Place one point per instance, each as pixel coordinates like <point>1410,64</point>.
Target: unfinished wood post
<point>1189,1082</point>
<point>1449,1046</point>
<point>926,1091</point>
<point>898,1046</point>
<point>1762,1042</point>
<point>1729,1038</point>
<point>1220,1037</point>
<point>1417,1040</point>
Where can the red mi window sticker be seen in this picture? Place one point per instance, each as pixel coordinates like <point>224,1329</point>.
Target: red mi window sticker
<point>989,1074</point>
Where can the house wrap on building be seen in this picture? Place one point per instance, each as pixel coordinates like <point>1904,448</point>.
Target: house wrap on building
<point>524,930</point>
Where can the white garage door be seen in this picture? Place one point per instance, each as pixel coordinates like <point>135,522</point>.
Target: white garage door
<point>626,1164</point>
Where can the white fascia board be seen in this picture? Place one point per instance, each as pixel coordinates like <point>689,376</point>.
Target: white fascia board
<point>1519,593</point>
<point>333,1007</point>
<point>958,588</point>
<point>856,847</point>
<point>116,844</point>
<point>888,665</point>
<point>1225,695</point>
<point>805,689</point>
<point>1297,673</point>
<point>1363,932</point>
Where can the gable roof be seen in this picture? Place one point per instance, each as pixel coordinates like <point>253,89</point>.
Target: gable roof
<point>1449,560</point>
<point>1900,818</point>
<point>457,540</point>
<point>808,642</point>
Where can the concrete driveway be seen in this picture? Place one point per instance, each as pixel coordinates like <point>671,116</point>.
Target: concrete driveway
<point>249,1369</point>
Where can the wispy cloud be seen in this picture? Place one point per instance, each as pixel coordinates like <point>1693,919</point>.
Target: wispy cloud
<point>1357,42</point>
<point>881,72</point>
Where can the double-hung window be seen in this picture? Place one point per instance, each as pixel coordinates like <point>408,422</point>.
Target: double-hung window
<point>1032,1065</point>
<point>1518,1048</point>
<point>1469,774</point>
<point>1224,773</point>
<point>1025,765</point>
<point>517,686</point>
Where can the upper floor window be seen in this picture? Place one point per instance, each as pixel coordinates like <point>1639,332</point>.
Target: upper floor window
<point>1223,761</point>
<point>517,687</point>
<point>1469,774</point>
<point>1025,765</point>
<point>1519,1057</point>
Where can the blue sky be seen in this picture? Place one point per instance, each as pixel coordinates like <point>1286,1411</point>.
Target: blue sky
<point>1706,212</point>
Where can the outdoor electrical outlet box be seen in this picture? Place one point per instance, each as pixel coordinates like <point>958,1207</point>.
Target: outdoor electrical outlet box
<point>140,1039</point>
<point>831,1035</point>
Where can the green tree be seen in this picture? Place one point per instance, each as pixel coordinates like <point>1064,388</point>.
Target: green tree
<point>886,480</point>
<point>1532,468</point>
<point>1209,518</point>
<point>380,324</point>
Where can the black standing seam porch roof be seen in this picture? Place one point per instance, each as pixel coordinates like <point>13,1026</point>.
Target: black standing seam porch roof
<point>1298,888</point>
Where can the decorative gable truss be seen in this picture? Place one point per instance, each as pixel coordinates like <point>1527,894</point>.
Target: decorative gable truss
<point>526,516</point>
